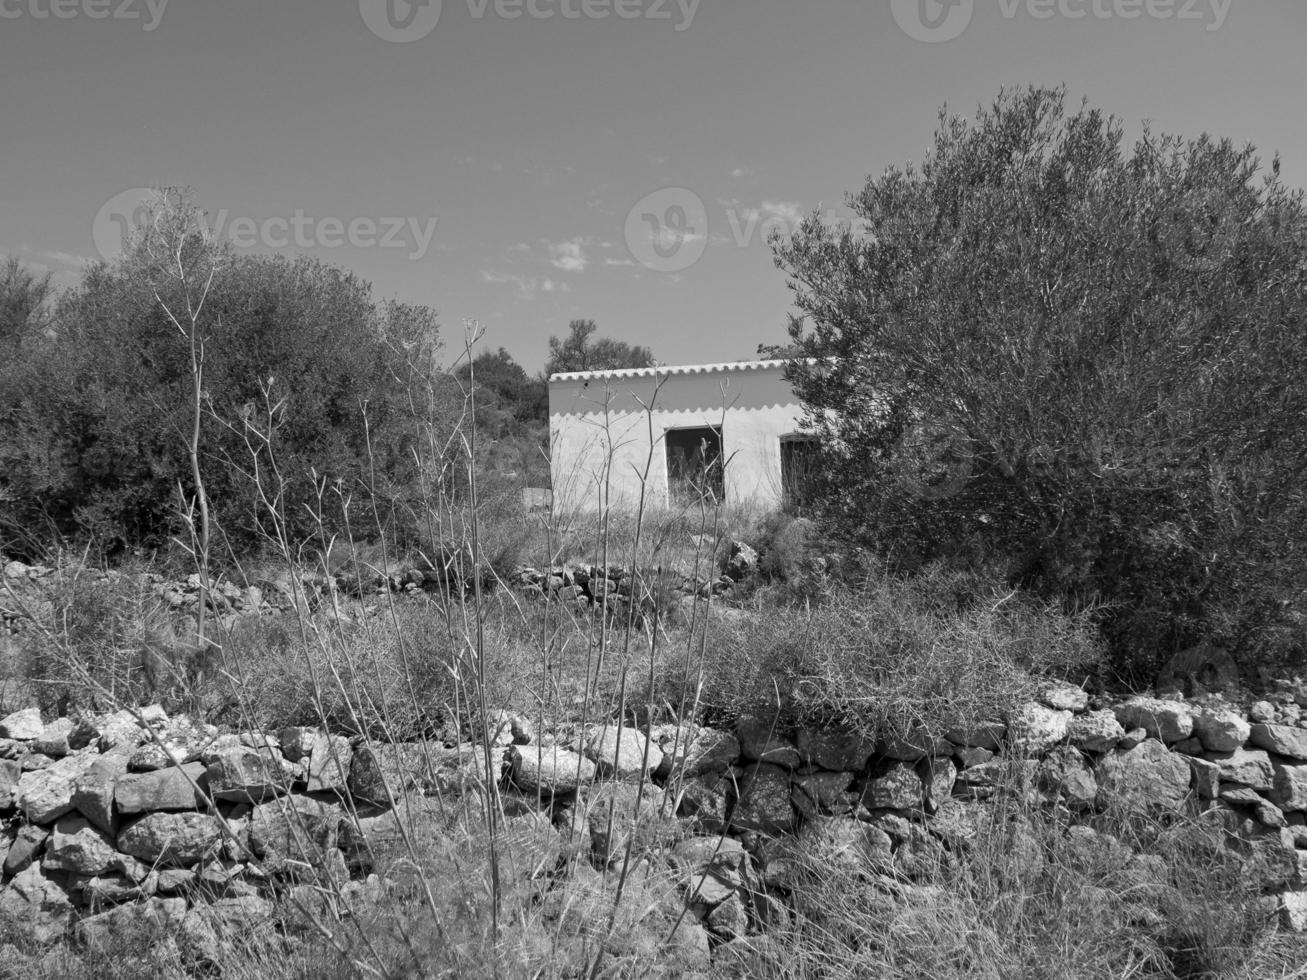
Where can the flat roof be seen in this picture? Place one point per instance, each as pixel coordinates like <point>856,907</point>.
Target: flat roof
<point>666,370</point>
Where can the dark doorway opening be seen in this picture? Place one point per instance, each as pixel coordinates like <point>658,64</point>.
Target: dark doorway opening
<point>798,471</point>
<point>694,465</point>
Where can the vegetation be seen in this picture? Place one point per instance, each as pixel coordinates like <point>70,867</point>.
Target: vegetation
<point>1082,359</point>
<point>579,352</point>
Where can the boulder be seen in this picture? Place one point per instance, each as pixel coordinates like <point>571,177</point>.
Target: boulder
<point>1035,729</point>
<point>39,902</point>
<point>1095,731</point>
<point>1248,767</point>
<point>1065,772</point>
<point>939,777</point>
<point>822,793</point>
<point>163,789</point>
<point>623,753</point>
<point>10,771</point>
<point>899,788</point>
<point>1206,777</point>
<point>609,816</point>
<point>987,735</point>
<point>23,725</point>
<point>1221,730</point>
<point>1289,786</point>
<point>1169,721</point>
<point>690,750</point>
<point>1065,697</point>
<point>550,770</point>
<point>762,800</point>
<point>297,834</point>
<point>381,771</point>
<point>93,793</point>
<point>1293,911</point>
<point>1145,777</point>
<point>1282,740</point>
<point>76,846</point>
<point>835,751</point>
<point>762,739</point>
<point>45,795</point>
<point>178,840</point>
<point>25,848</point>
<point>54,738</point>
<point>242,774</point>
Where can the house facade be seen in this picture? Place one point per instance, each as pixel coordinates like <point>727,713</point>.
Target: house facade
<point>728,433</point>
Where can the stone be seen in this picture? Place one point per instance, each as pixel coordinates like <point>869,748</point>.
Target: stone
<point>1169,721</point>
<point>1146,777</point>
<point>707,798</point>
<point>329,761</point>
<point>623,753</point>
<point>39,902</point>
<point>1249,767</point>
<point>54,738</point>
<point>117,730</point>
<point>939,777</point>
<point>1065,772</point>
<point>1035,729</point>
<point>102,891</point>
<point>822,793</point>
<point>550,770</point>
<point>93,793</point>
<point>383,772</point>
<point>1262,712</point>
<point>180,741</point>
<point>763,740</point>
<point>762,800</point>
<point>900,788</point>
<point>172,839</point>
<point>834,751</point>
<point>74,845</point>
<point>1095,731</point>
<point>1133,738</point>
<point>610,816</point>
<point>1065,697</point>
<point>1206,777</point>
<point>987,735</point>
<point>163,789</point>
<point>1293,911</point>
<point>25,848</point>
<point>299,833</point>
<point>913,746</point>
<point>729,920</point>
<point>1289,786</point>
<point>248,774</point>
<point>10,772</point>
<point>967,757</point>
<point>1282,740</point>
<point>23,725</point>
<point>1221,730</point>
<point>47,794</point>
<point>690,750</point>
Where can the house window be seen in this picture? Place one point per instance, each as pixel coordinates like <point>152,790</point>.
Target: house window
<point>694,465</point>
<point>798,467</point>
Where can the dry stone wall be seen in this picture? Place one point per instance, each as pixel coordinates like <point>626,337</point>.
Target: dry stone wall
<point>168,818</point>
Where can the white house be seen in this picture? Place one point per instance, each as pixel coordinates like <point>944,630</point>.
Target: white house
<point>726,432</point>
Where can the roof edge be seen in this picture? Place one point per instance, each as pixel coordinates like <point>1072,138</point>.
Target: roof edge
<point>668,370</point>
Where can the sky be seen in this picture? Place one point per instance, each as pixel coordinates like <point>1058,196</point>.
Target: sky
<point>524,163</point>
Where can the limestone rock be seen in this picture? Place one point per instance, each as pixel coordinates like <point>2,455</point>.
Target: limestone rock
<point>823,793</point>
<point>23,725</point>
<point>382,772</point>
<point>762,739</point>
<point>1144,777</point>
<point>162,789</point>
<point>1036,729</point>
<point>988,735</point>
<point>93,793</point>
<point>1282,740</point>
<point>550,770</point>
<point>46,794</point>
<point>690,750</point>
<point>248,774</point>
<point>10,771</point>
<point>762,802</point>
<point>179,741</point>
<point>623,753</point>
<point>1293,911</point>
<point>25,848</point>
<point>900,788</point>
<point>1169,721</point>
<point>1065,697</point>
<point>939,777</point>
<point>38,901</point>
<point>172,839</point>
<point>1095,731</point>
<point>54,738</point>
<point>74,845</point>
<point>325,758</point>
<point>609,816</point>
<point>1248,767</point>
<point>1065,772</point>
<point>299,833</point>
<point>1221,730</point>
<point>1206,777</point>
<point>834,751</point>
<point>1289,786</point>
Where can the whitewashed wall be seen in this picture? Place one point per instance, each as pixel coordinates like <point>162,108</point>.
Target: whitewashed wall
<point>598,423</point>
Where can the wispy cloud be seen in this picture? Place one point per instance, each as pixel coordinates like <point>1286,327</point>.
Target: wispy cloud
<point>568,256</point>
<point>790,212</point>
<point>526,287</point>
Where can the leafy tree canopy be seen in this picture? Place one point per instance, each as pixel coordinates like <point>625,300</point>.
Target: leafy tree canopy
<point>581,351</point>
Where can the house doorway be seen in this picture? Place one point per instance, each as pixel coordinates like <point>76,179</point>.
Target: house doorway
<point>695,470</point>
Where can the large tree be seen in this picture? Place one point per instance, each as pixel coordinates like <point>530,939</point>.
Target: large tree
<point>1086,358</point>
<point>24,299</point>
<point>581,351</point>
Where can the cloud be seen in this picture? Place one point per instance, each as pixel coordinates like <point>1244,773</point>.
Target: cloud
<point>743,172</point>
<point>568,256</point>
<point>526,287</point>
<point>618,262</point>
<point>789,212</point>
